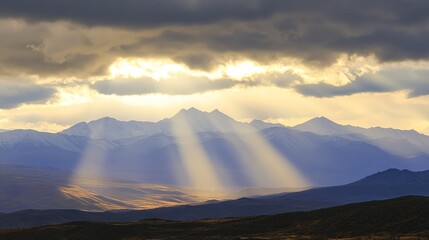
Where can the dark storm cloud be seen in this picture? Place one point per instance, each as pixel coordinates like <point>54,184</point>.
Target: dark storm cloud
<point>132,13</point>
<point>143,13</point>
<point>31,63</point>
<point>415,81</point>
<point>142,86</point>
<point>388,45</point>
<point>15,94</point>
<point>204,34</point>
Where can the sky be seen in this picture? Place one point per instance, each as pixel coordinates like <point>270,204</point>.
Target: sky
<point>356,62</point>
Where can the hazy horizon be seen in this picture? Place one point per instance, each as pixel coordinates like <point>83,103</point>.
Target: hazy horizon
<point>287,124</point>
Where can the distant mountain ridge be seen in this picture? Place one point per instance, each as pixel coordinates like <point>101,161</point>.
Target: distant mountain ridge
<point>112,129</point>
<point>150,152</point>
<point>406,143</point>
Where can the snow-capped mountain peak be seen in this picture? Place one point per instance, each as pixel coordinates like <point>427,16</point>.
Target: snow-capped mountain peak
<point>108,128</point>
<point>322,126</point>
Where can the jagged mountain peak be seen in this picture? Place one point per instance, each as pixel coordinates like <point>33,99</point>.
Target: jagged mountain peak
<point>105,119</point>
<point>194,112</point>
<point>321,125</point>
<point>202,121</point>
<point>190,112</point>
<point>320,120</point>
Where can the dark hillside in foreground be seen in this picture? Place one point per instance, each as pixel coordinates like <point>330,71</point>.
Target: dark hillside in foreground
<point>400,217</point>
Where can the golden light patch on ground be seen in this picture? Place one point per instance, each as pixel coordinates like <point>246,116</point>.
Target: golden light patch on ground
<point>90,198</point>
<point>120,195</point>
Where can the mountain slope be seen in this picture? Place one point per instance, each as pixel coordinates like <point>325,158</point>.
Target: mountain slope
<point>23,187</point>
<point>322,160</point>
<point>332,160</point>
<point>383,185</point>
<point>26,187</point>
<point>401,217</point>
<point>375,187</point>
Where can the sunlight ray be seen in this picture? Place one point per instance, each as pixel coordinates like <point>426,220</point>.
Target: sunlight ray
<point>264,165</point>
<point>200,172</point>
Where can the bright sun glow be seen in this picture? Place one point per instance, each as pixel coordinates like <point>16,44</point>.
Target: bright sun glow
<point>135,68</point>
<point>163,69</point>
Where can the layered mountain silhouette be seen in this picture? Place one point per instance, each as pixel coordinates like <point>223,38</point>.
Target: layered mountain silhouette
<point>323,152</point>
<point>383,185</point>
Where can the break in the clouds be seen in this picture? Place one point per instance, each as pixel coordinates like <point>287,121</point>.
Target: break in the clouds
<point>15,94</point>
<point>83,38</point>
<point>415,81</point>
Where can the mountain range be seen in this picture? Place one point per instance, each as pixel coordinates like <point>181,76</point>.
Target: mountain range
<point>324,152</point>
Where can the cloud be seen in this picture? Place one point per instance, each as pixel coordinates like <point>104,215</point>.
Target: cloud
<point>77,38</point>
<point>13,95</point>
<point>147,13</point>
<point>389,44</point>
<point>392,79</point>
<point>184,85</point>
<point>143,13</point>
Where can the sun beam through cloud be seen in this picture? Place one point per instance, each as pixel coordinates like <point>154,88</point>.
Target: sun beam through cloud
<point>199,170</point>
<point>264,166</point>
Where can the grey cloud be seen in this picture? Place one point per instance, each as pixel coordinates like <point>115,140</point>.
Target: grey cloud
<point>143,13</point>
<point>59,50</point>
<point>281,80</point>
<point>201,61</point>
<point>185,85</point>
<point>205,33</point>
<point>15,94</point>
<point>415,81</point>
<point>182,86</point>
<point>73,65</point>
<point>388,45</point>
